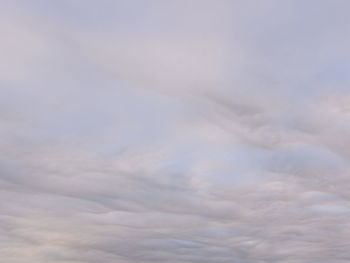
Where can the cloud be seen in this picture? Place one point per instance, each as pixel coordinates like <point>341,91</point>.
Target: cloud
<point>177,131</point>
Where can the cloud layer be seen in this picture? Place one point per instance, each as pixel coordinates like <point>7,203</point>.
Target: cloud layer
<point>174,131</point>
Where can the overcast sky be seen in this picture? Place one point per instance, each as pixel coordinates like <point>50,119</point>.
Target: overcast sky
<point>175,131</point>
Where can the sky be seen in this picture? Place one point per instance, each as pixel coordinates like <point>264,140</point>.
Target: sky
<point>192,131</point>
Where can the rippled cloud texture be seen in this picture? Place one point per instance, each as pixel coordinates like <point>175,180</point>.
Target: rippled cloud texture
<point>198,131</point>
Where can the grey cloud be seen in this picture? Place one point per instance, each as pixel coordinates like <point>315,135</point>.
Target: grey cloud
<point>177,131</point>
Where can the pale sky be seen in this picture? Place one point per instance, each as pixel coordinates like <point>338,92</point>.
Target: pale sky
<point>175,131</point>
